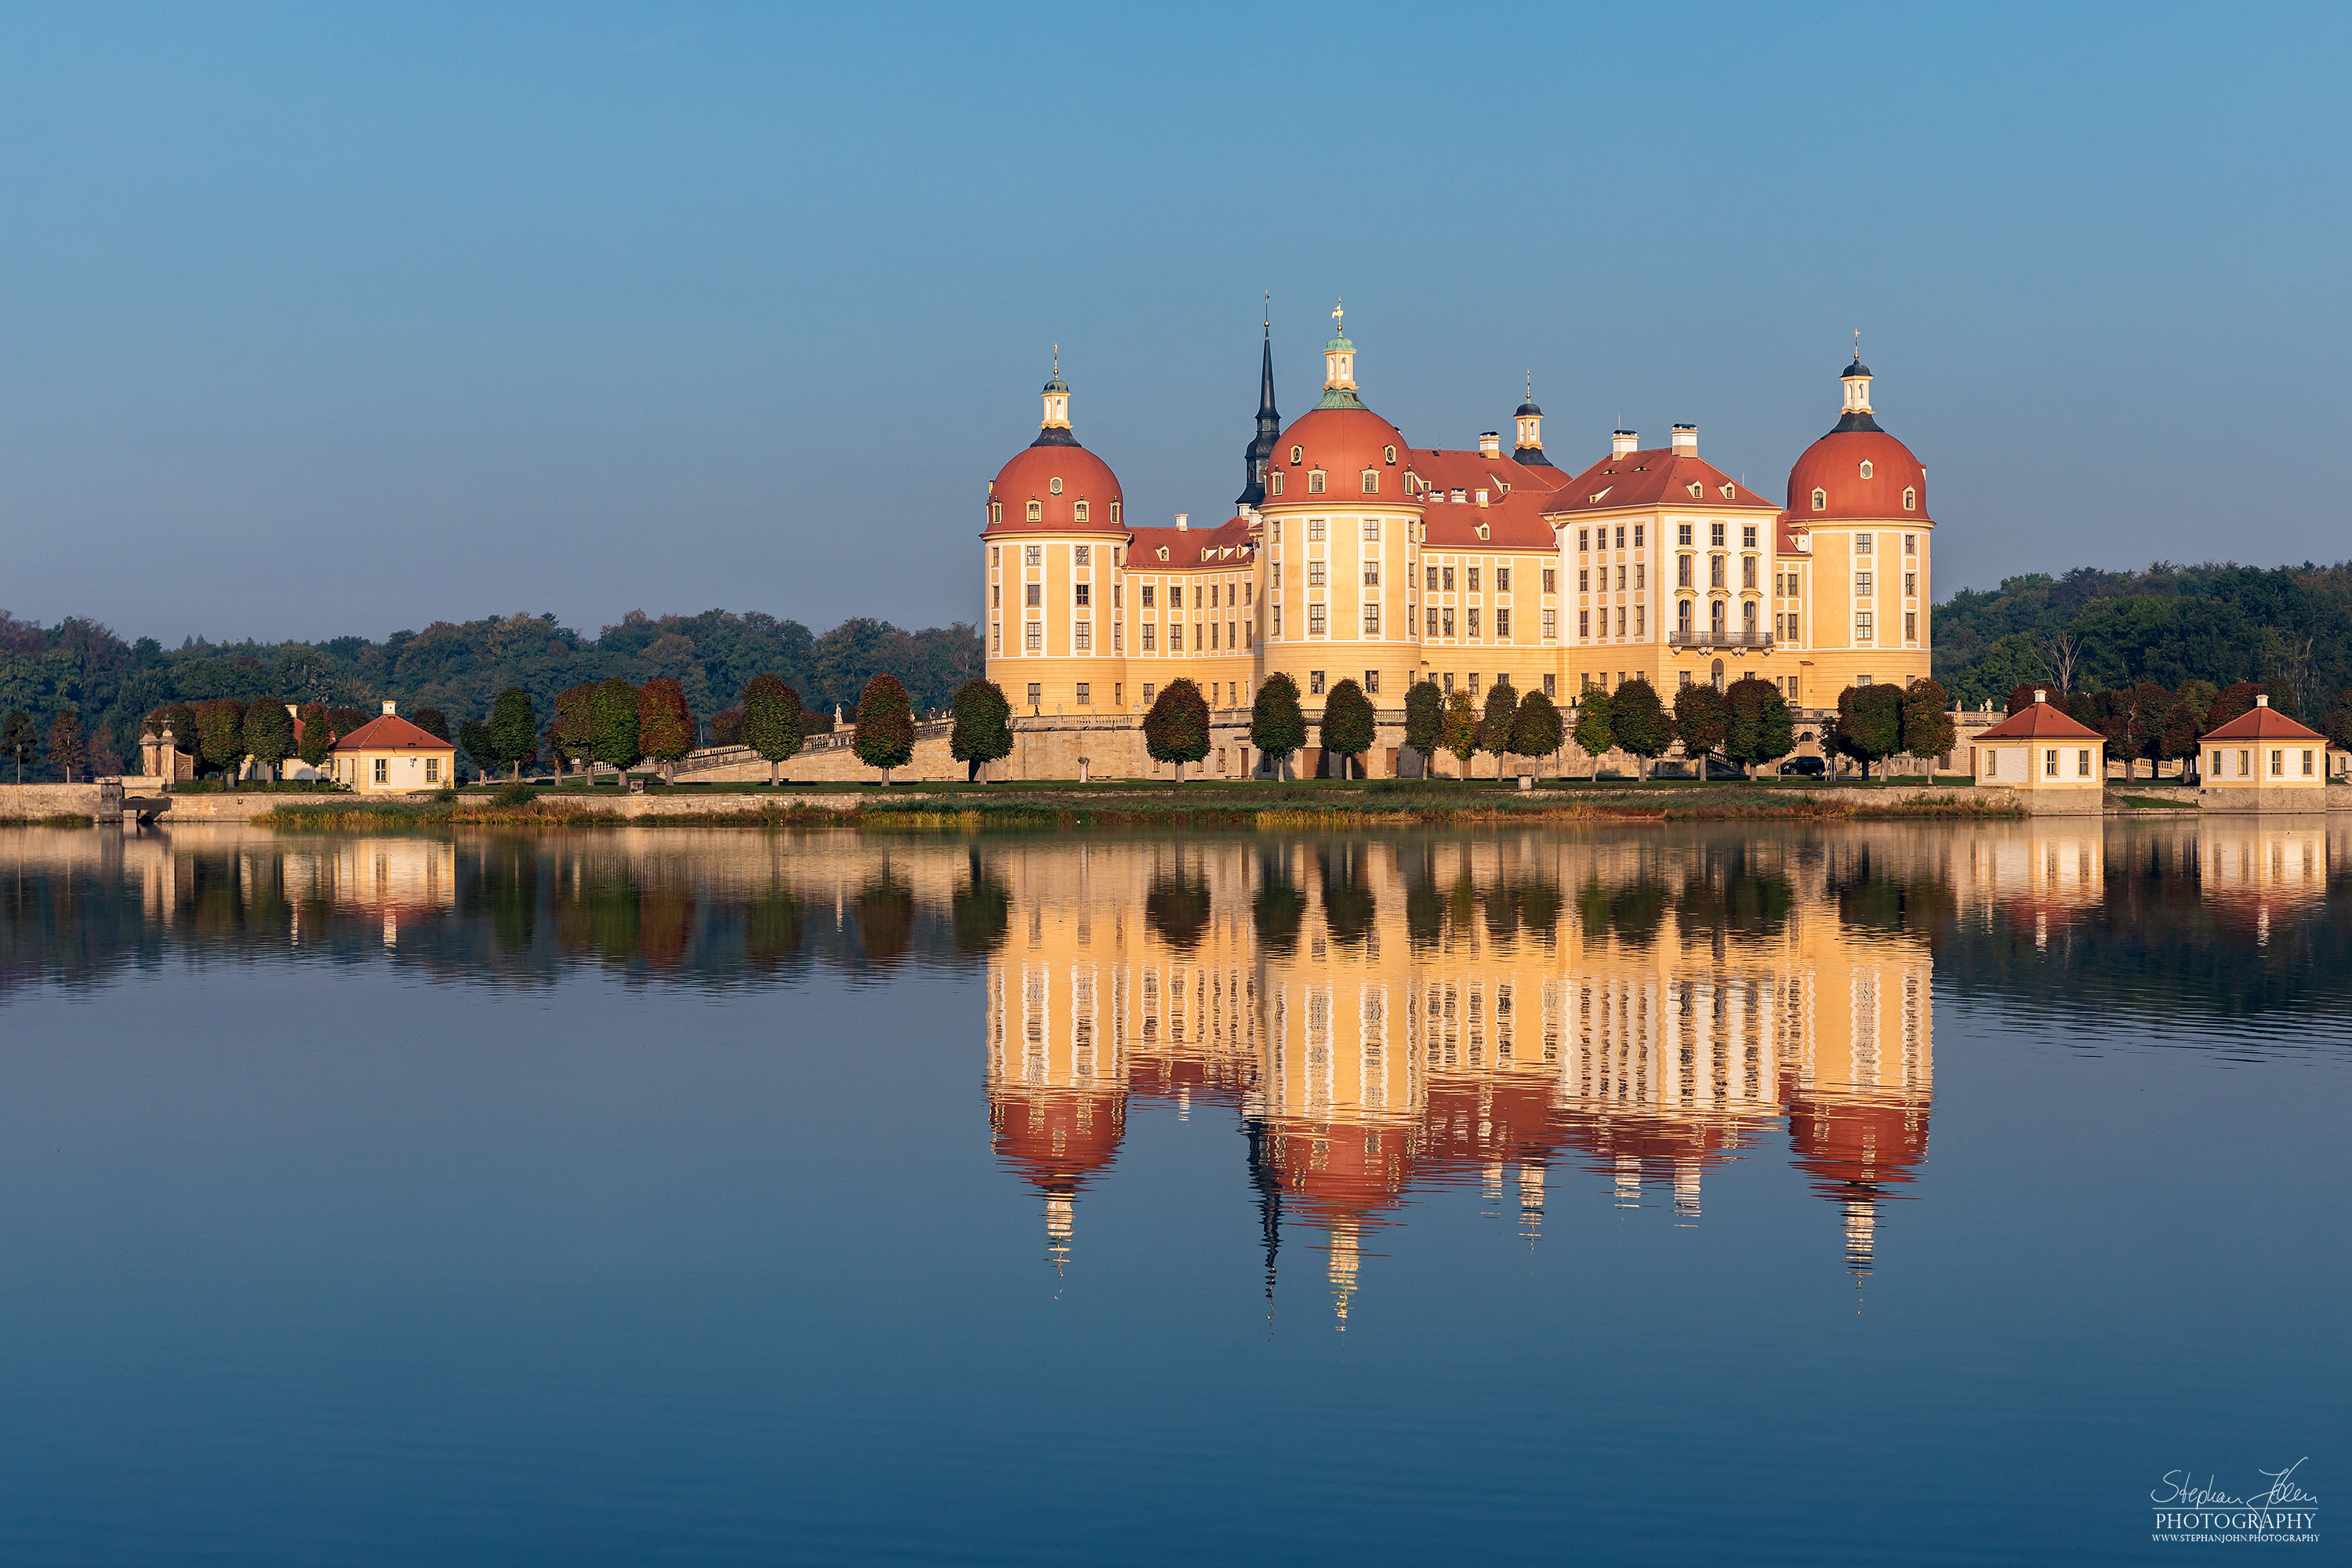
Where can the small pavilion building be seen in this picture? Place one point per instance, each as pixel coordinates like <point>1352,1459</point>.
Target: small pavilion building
<point>389,755</point>
<point>2055,763</point>
<point>2264,761</point>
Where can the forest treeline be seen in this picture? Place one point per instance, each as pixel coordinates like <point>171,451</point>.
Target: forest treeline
<point>110,685</point>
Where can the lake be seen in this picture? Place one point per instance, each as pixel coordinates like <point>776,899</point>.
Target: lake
<point>1870,1194</point>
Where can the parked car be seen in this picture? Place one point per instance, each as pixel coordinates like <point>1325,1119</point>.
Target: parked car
<point>1806,767</point>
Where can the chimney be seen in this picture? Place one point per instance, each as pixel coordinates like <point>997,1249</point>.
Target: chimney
<point>389,706</point>
<point>1184,520</point>
<point>2261,701</point>
<point>2040,695</point>
<point>1621,442</point>
<point>1685,440</point>
<point>1490,443</point>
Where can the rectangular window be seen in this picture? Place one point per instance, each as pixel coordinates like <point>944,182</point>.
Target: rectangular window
<point>1147,592</point>
<point>1433,579</point>
<point>384,770</point>
<point>1641,620</point>
<point>1315,481</point>
<point>2049,762</point>
<point>996,637</point>
<point>2082,763</point>
<point>1151,636</point>
<point>1910,584</point>
<point>1862,629</point>
<point>1196,637</point>
<point>1117,636</point>
<point>1473,621</point>
<point>1747,537</point>
<point>1085,592</point>
<point>1446,620</point>
<point>1551,686</point>
<point>1715,534</point>
<point>1371,683</point>
<point>1546,579</point>
<point>1581,542</point>
<point>1682,571</point>
<point>1083,637</point>
<point>1035,638</point>
<point>1583,580</point>
<point>1033,555</point>
<point>1910,544</point>
<point>1620,578</point>
<point>1861,544</point>
<point>1372,528</point>
<point>995,558</point>
<point>433,769</point>
<point>1682,533</point>
<point>1637,535</point>
<point>1433,624</point>
<point>1584,623</point>
<point>1036,595</point>
<point>2306,764</point>
<point>1081,554</point>
<point>1551,625</point>
<point>1621,621</point>
<point>1910,626</point>
<point>1314,683</point>
<point>1277,620</point>
<point>2278,763</point>
<point>1792,628</point>
<point>1314,528</point>
<point>1371,620</point>
<point>1473,579</point>
<point>1085,694</point>
<point>1175,596</point>
<point>1151,688</point>
<point>1862,584</point>
<point>1371,574</point>
<point>1371,481</point>
<point>2245,765</point>
<point>1715,572</point>
<point>1503,623</point>
<point>1315,623</point>
<point>1747,570</point>
<point>1315,574</point>
<point>1447,578</point>
<point>1502,579</point>
<point>1036,694</point>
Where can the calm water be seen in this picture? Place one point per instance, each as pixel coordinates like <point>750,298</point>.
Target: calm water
<point>1875,1195</point>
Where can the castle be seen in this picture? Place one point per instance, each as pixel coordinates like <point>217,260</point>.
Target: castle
<point>1354,554</point>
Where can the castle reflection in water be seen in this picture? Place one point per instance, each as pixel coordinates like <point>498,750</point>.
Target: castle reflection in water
<point>1379,1015</point>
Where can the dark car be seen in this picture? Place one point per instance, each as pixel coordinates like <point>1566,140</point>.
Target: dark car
<point>1808,767</point>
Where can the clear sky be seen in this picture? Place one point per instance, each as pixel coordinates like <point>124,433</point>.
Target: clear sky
<point>323,320</point>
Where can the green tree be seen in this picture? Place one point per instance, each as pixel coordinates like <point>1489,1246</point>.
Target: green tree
<point>1703,718</point>
<point>1596,732</point>
<point>666,724</point>
<point>1277,727</point>
<point>1176,730</point>
<point>315,739</point>
<point>612,717</point>
<point>773,721</point>
<point>65,742</point>
<point>19,736</point>
<point>1495,723</point>
<point>481,746</point>
<point>1641,723</point>
<point>1869,725</point>
<point>1758,725</point>
<point>1349,726</point>
<point>2199,695</point>
<point>514,731</point>
<point>1424,721</point>
<point>433,722</point>
<point>571,733</point>
<point>1459,733</point>
<point>220,734</point>
<point>984,726</point>
<point>1535,730</point>
<point>2339,720</point>
<point>886,726</point>
<point>1929,731</point>
<point>269,730</point>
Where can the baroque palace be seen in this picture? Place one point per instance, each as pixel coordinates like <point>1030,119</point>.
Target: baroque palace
<point>1354,554</point>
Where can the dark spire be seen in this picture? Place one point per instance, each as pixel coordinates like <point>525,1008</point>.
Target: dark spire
<point>1260,451</point>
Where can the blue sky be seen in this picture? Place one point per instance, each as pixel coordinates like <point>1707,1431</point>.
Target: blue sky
<point>321,320</point>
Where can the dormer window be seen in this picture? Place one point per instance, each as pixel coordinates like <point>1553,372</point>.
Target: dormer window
<point>1482,533</point>
<point>1729,490</point>
<point>1866,470</point>
<point>1054,487</point>
<point>1389,453</point>
<point>1821,499</point>
<point>1910,498</point>
<point>1315,481</point>
<point>1078,512</point>
<point>995,512</point>
<point>1163,556</point>
<point>1371,481</point>
<point>1696,490</point>
<point>1297,455</point>
<point>1036,512</point>
<point>1114,514</point>
<point>1277,482</point>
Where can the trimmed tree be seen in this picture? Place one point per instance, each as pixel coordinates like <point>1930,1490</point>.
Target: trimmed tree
<point>268,731</point>
<point>1176,730</point>
<point>1596,729</point>
<point>2230,701</point>
<point>1277,726</point>
<point>1929,731</point>
<point>1424,719</point>
<point>1703,718</point>
<point>220,734</point>
<point>315,736</point>
<point>1494,724</point>
<point>479,746</point>
<point>1459,733</point>
<point>886,726</point>
<point>1758,726</point>
<point>665,724</point>
<point>65,742</point>
<point>1349,725</point>
<point>514,730</point>
<point>571,733</point>
<point>984,726</point>
<point>1869,726</point>
<point>1642,725</point>
<point>1535,729</point>
<point>612,724</point>
<point>19,736</point>
<point>772,724</point>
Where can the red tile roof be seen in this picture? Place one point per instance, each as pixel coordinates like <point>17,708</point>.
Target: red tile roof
<point>1655,477</point>
<point>391,733</point>
<point>1515,521</point>
<point>1220,549</point>
<point>1030,476</point>
<point>2042,721</point>
<point>1472,471</point>
<point>2261,723</point>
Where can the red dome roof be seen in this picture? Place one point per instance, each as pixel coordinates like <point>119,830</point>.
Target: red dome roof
<point>1833,465</point>
<point>1030,476</point>
<point>1342,442</point>
<point>1057,1138</point>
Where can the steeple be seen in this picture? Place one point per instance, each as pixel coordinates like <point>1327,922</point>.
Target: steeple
<point>1529,449</point>
<point>1054,430</point>
<point>1260,451</point>
<point>1855,415</point>
<point>1340,366</point>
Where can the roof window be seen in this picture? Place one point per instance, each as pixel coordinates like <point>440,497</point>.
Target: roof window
<point>1821,499</point>
<point>1865,469</point>
<point>1390,453</point>
<point>1315,481</point>
<point>1729,490</point>
<point>1036,511</point>
<point>1696,490</point>
<point>1910,498</point>
<point>1053,486</point>
<point>1298,453</point>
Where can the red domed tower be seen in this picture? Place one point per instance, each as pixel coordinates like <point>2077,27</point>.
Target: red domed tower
<point>1052,547</point>
<point>1858,514</point>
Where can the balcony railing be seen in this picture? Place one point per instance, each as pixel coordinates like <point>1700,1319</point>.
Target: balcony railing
<point>1720,639</point>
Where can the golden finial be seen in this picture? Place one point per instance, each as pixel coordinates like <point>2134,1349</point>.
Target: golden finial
<point>1269,310</point>
<point>1340,319</point>
<point>1057,359</point>
<point>1531,386</point>
<point>1857,346</point>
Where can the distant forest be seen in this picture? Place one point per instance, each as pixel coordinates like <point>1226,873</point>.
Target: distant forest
<point>2286,627</point>
<point>111,685</point>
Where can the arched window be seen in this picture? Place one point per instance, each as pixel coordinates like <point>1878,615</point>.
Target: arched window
<point>1371,481</point>
<point>1036,512</point>
<point>1298,453</point>
<point>1053,486</point>
<point>1821,499</point>
<point>1866,470</point>
<point>1714,617</point>
<point>1910,498</point>
<point>1716,673</point>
